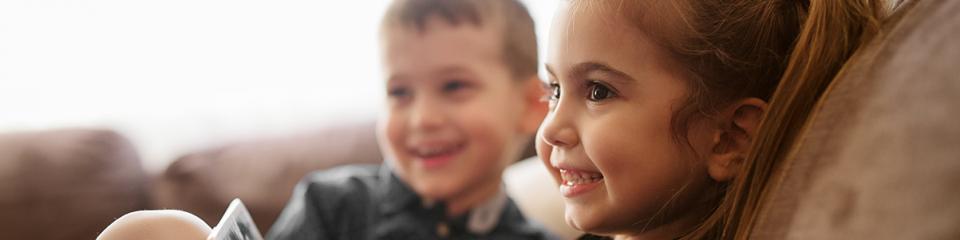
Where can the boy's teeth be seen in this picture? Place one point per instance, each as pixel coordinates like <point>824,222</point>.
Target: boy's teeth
<point>431,151</point>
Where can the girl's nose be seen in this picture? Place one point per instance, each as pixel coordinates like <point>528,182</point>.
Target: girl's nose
<point>558,131</point>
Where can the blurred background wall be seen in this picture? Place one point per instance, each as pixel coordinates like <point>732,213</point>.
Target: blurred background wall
<point>180,75</point>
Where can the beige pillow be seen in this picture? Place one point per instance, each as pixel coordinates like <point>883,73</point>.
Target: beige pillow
<point>881,158</point>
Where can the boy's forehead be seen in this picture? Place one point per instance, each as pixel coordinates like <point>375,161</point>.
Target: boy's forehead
<point>436,25</point>
<point>440,45</point>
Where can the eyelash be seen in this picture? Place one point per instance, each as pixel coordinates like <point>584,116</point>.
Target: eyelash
<point>594,88</point>
<point>596,91</point>
<point>553,92</point>
<point>450,87</point>
<point>398,92</point>
<point>455,85</point>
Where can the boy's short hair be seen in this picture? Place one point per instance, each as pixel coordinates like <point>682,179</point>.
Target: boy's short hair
<point>519,39</point>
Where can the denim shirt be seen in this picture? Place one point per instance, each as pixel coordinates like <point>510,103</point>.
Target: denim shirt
<point>370,202</point>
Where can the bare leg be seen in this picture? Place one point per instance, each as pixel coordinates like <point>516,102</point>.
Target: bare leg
<point>156,225</point>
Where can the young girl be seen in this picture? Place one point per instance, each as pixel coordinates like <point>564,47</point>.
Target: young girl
<point>667,117</point>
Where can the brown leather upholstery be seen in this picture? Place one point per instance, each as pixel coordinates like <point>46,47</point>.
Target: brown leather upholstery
<point>879,160</point>
<point>881,157</point>
<point>66,184</point>
<point>262,173</point>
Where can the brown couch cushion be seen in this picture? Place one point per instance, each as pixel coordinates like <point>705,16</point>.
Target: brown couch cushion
<point>881,157</point>
<point>66,184</point>
<point>262,173</point>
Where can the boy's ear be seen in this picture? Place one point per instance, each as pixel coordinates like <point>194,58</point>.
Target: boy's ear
<point>731,142</point>
<point>535,109</point>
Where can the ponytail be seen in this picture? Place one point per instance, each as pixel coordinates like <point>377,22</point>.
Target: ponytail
<point>831,32</point>
<point>785,52</point>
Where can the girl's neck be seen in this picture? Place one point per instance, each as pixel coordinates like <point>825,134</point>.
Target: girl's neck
<point>683,224</point>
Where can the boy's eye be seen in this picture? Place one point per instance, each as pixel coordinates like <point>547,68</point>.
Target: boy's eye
<point>453,86</point>
<point>398,92</point>
<point>599,92</point>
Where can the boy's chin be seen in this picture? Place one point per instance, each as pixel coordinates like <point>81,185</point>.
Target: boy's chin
<point>436,189</point>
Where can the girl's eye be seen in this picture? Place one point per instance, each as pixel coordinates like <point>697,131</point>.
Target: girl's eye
<point>599,92</point>
<point>554,91</point>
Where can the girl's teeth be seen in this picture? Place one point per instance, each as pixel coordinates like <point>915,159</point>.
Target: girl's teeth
<point>574,178</point>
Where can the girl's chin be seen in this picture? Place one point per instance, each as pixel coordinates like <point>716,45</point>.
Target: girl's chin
<point>581,219</point>
<point>588,220</point>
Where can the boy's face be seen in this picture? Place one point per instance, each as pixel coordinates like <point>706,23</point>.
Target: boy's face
<point>454,116</point>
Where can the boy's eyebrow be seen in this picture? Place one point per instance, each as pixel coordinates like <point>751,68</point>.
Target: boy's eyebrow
<point>453,69</point>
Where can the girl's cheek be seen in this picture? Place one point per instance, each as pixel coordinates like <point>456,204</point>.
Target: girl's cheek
<point>610,145</point>
<point>543,153</point>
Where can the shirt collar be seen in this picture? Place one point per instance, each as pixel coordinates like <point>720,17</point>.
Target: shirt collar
<point>398,196</point>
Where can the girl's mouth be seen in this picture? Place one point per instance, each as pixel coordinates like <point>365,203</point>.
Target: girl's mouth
<point>576,182</point>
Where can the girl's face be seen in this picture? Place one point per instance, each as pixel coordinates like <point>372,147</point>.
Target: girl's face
<point>607,139</point>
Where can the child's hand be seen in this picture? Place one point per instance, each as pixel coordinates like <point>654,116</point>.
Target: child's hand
<point>156,225</point>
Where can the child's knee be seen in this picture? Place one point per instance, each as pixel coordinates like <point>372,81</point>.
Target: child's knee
<point>156,225</point>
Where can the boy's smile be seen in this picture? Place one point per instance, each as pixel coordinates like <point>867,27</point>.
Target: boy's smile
<point>436,155</point>
<point>456,117</point>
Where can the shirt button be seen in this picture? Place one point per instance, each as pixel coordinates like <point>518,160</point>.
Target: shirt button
<point>443,230</point>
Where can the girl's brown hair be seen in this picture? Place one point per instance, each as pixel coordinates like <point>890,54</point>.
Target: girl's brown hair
<point>785,52</point>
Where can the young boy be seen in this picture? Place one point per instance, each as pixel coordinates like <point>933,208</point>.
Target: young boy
<point>462,99</point>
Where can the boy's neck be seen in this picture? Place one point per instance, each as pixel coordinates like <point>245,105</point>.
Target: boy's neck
<point>462,204</point>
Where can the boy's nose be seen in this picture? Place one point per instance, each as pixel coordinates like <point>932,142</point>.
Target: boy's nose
<point>427,116</point>
<point>558,131</point>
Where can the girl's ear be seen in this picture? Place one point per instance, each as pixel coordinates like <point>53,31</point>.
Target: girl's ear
<point>535,109</point>
<point>731,144</point>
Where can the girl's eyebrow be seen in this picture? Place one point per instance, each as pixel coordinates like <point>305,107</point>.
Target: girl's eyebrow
<point>583,68</point>
<point>550,71</point>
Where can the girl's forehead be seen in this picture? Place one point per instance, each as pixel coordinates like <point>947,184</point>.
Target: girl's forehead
<point>661,20</point>
<point>595,32</point>
<point>591,35</point>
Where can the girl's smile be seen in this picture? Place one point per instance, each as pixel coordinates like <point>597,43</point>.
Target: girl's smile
<point>576,182</point>
<point>608,140</point>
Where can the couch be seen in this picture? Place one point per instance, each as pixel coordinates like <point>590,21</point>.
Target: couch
<point>67,184</point>
<point>879,159</point>
<point>72,183</point>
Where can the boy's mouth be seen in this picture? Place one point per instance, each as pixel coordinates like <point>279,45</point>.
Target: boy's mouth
<point>435,156</point>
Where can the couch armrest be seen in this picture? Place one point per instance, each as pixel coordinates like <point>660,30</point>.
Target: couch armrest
<point>66,184</point>
<point>262,173</point>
